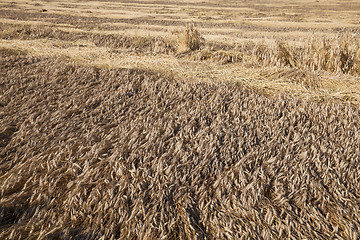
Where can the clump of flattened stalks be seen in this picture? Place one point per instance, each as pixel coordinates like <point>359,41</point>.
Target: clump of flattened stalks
<point>285,55</point>
<point>279,54</point>
<point>188,40</point>
<point>258,53</point>
<point>307,79</point>
<point>340,54</point>
<point>221,56</point>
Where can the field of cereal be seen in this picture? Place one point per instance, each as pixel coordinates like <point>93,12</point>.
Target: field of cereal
<point>179,119</point>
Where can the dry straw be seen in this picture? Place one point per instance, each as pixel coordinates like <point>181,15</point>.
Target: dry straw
<point>340,54</point>
<point>88,153</point>
<point>188,40</point>
<point>337,55</point>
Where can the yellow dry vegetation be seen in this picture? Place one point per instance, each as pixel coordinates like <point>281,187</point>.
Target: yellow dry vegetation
<point>192,119</point>
<point>305,47</point>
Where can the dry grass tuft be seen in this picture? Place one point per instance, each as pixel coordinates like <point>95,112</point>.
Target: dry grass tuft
<point>221,56</point>
<point>336,55</point>
<point>308,79</point>
<point>284,55</point>
<point>188,40</point>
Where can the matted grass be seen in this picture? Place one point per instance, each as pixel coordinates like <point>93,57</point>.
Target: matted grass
<point>126,154</point>
<point>192,120</point>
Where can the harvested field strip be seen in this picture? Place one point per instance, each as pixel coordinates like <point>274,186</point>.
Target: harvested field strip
<point>339,54</point>
<point>232,35</point>
<point>304,17</point>
<point>271,81</point>
<point>168,23</point>
<point>90,153</point>
<point>321,67</point>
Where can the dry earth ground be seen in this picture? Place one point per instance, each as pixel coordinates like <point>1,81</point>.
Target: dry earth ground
<point>110,130</point>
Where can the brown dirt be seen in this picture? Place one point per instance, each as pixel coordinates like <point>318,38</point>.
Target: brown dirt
<point>88,153</point>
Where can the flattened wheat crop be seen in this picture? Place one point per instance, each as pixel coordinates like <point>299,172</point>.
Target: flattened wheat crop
<point>88,153</point>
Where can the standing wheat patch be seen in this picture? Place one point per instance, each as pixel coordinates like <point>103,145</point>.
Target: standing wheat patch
<point>188,39</point>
